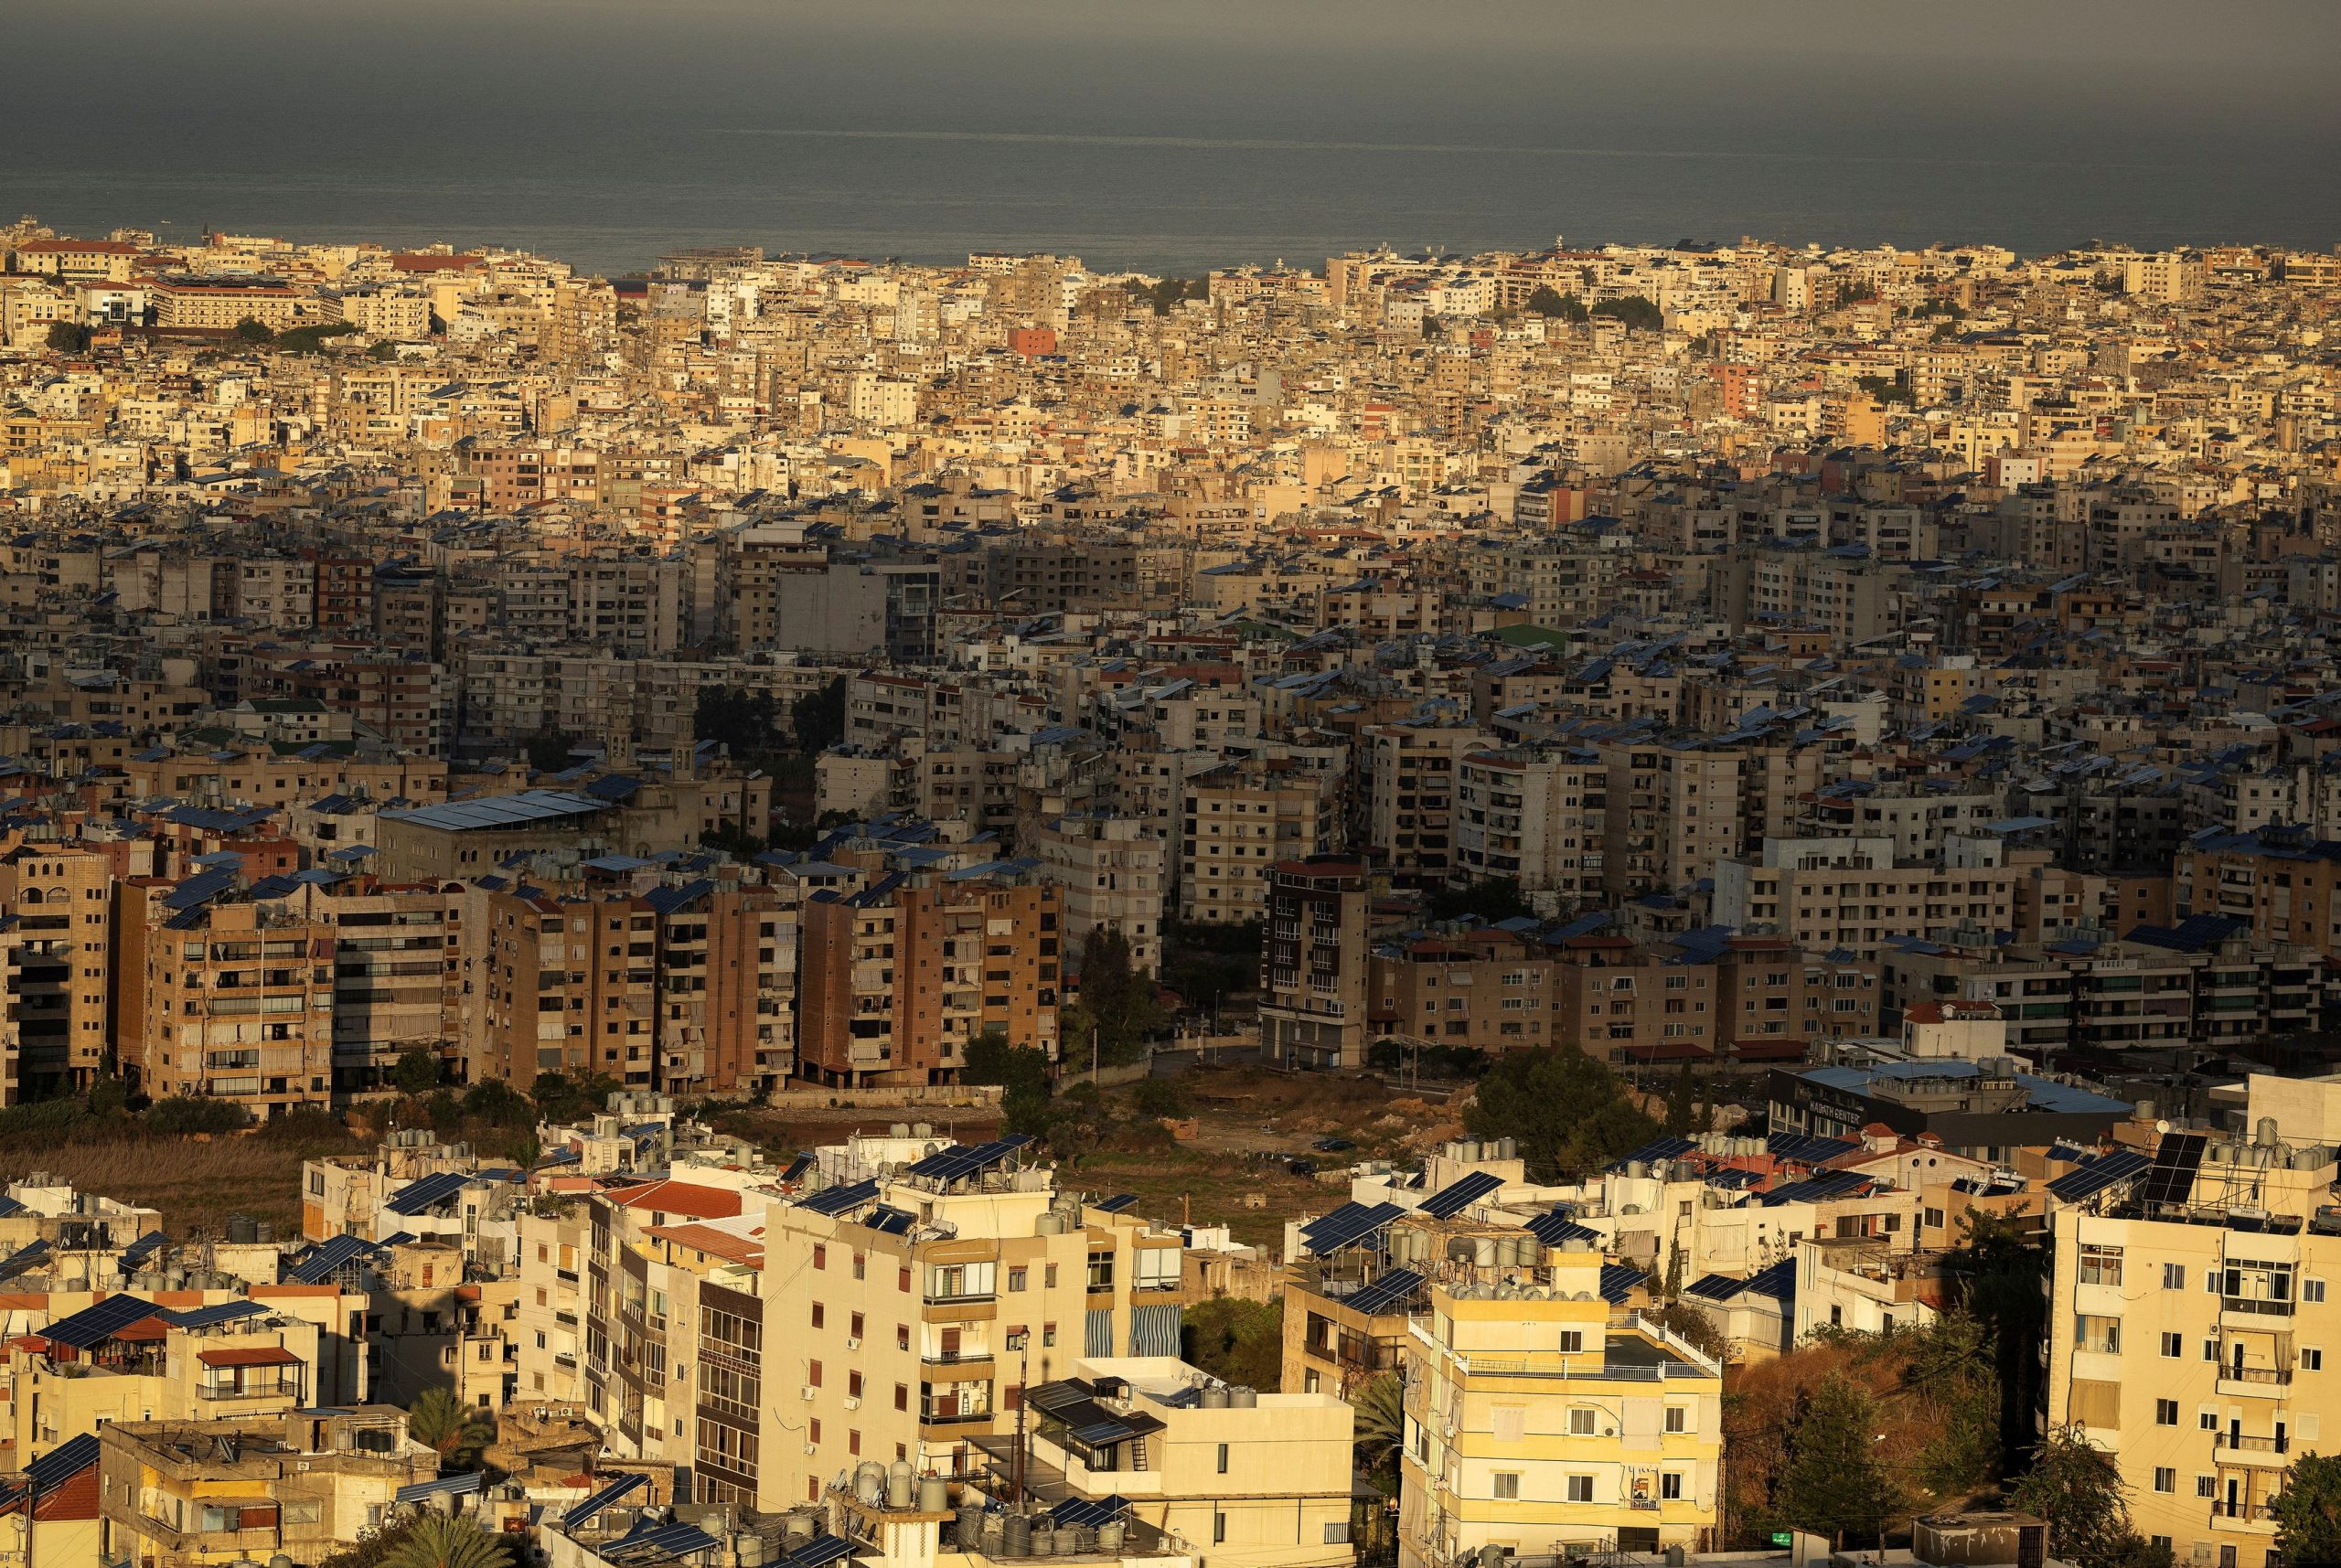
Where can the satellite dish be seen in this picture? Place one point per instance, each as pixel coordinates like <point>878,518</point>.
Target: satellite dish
<point>2162,1126</point>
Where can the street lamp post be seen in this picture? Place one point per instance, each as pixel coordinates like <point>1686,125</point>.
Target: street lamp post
<point>1020,1341</point>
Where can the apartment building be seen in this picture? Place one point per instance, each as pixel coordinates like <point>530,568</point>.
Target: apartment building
<point>1534,1423</point>
<point>727,987</point>
<point>2187,1333</point>
<point>237,1001</point>
<point>223,304</point>
<point>1240,819</point>
<point>1850,893</point>
<point>1260,1480</point>
<point>1535,817</point>
<point>56,951</point>
<point>1314,964</point>
<point>1671,812</point>
<point>1111,871</point>
<point>894,980</point>
<point>1411,774</point>
<point>561,983</point>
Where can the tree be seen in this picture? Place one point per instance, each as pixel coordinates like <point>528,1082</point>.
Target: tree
<point>745,723</point>
<point>1568,1112</point>
<point>439,1419</point>
<point>1682,1104</point>
<point>186,1114</point>
<point>818,717</point>
<point>1380,1404</point>
<point>2077,1487</point>
<point>68,336</point>
<point>1545,302</point>
<point>1695,1326</point>
<point>1162,1097</point>
<point>1237,1341</point>
<point>1020,1071</point>
<point>548,750</point>
<point>1639,313</point>
<point>560,1098</point>
<point>494,1099</point>
<point>383,352</point>
<point>1997,1272</point>
<point>312,338</point>
<point>252,331</point>
<point>2308,1511</point>
<point>1834,1485</point>
<point>1119,999</point>
<point>1491,899</point>
<point>447,1540</point>
<point>416,1070</point>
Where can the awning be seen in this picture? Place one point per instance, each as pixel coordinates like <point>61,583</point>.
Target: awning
<point>256,1356</point>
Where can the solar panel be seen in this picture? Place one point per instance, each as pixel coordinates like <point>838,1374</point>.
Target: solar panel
<point>417,1196</point>
<point>666,1541</point>
<point>1817,1189</point>
<point>210,1317</point>
<point>443,1485</point>
<point>1392,1287</point>
<point>2171,1178</point>
<point>1555,1227</point>
<point>1716,1286</point>
<point>963,1161</point>
<point>1102,1433</point>
<point>1778,1282</point>
<point>835,1201</point>
<point>1457,1195</point>
<point>892,1221</point>
<point>96,1324</point>
<point>1805,1149</point>
<point>9,1206</point>
<point>1329,1221</point>
<point>19,1262</point>
<point>1090,1511</point>
<point>1116,1204</point>
<point>602,1499</point>
<point>2079,1185</point>
<point>1617,1281</point>
<point>819,1550</point>
<point>54,1469</point>
<point>1655,1150</point>
<point>1354,1228</point>
<point>139,1251</point>
<point>326,1258</point>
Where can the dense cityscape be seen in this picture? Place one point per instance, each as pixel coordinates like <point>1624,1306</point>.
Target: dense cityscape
<point>1616,904</point>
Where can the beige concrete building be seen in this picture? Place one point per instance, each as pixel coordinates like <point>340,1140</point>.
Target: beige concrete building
<point>1241,818</point>
<point>1827,893</point>
<point>1111,870</point>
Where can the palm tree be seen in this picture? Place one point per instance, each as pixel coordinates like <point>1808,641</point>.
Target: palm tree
<point>444,1540</point>
<point>1381,1416</point>
<point>437,1419</point>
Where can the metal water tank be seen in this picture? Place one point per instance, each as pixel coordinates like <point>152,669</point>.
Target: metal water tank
<point>1243,1398</point>
<point>901,1479</point>
<point>934,1495</point>
<point>1110,1537</point>
<point>1016,1537</point>
<point>242,1229</point>
<point>968,1531</point>
<point>749,1550</point>
<point>1215,1397</point>
<point>1044,1537</point>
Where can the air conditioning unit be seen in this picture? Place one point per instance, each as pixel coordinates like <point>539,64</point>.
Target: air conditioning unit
<point>852,1401</point>
<point>806,1392</point>
<point>809,1447</point>
<point>853,1342</point>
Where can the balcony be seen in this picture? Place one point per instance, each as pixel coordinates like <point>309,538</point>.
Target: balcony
<point>2254,1383</point>
<point>2252,1516</point>
<point>2235,1447</point>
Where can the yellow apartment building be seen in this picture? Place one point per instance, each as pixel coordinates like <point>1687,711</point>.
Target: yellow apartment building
<point>1537,1423</point>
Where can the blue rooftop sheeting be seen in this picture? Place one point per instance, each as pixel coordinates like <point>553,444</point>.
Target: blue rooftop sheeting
<point>529,808</point>
<point>213,1315</point>
<point>94,1325</point>
<point>468,1484</point>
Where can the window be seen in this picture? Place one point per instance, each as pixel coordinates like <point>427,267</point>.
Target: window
<point>2206,1486</point>
<point>1507,1486</point>
<point>1670,1485</point>
<point>1218,1528</point>
<point>2165,1478</point>
<point>856,1329</point>
<point>2101,1266</point>
<point>1581,1422</point>
<point>1222,1458</point>
<point>813,1374</point>
<point>2093,1331</point>
<point>1015,1278</point>
<point>2208,1419</point>
<point>820,1255</point>
<point>1572,1341</point>
<point>2312,1359</point>
<point>1678,1418</point>
<point>2165,1412</point>
<point>2312,1290</point>
<point>817,1314</point>
<point>2173,1344</point>
<point>1580,1488</point>
<point>2174,1276</point>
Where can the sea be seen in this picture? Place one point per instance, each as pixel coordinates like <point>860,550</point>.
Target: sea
<point>605,134</point>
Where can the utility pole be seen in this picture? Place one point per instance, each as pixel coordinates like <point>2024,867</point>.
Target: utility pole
<point>1021,1343</point>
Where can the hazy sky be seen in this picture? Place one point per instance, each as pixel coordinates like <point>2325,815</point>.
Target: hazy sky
<point>1177,127</point>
